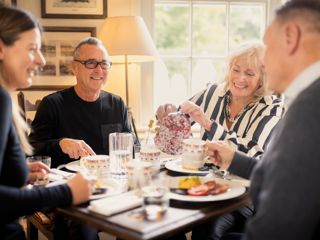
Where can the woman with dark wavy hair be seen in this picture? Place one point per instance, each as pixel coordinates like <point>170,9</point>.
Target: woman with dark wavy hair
<point>20,57</point>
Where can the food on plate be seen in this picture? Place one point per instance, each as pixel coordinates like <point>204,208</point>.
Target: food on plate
<point>208,188</point>
<point>189,182</point>
<point>98,184</point>
<point>172,130</point>
<point>192,186</point>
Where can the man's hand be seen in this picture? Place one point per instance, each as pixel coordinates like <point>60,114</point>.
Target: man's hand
<point>220,153</point>
<point>197,114</point>
<point>75,148</point>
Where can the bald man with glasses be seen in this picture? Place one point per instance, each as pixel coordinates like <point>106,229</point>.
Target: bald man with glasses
<point>77,121</point>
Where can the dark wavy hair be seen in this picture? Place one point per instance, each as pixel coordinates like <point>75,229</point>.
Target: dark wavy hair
<point>13,22</point>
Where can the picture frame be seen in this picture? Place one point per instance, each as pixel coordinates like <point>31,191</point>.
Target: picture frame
<point>95,9</point>
<point>9,2</point>
<point>58,44</point>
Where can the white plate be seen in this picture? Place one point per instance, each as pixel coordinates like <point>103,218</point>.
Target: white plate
<point>235,190</point>
<point>164,158</point>
<point>72,166</point>
<point>176,166</point>
<point>113,188</point>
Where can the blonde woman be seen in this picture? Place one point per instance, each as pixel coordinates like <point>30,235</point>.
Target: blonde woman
<point>239,110</point>
<point>20,57</point>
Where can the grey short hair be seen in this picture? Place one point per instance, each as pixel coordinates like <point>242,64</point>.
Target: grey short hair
<point>306,10</point>
<point>89,41</point>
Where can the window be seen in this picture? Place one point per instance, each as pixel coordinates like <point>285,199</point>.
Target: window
<point>194,38</point>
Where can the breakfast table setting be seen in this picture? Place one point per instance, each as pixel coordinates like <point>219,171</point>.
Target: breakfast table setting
<point>156,190</point>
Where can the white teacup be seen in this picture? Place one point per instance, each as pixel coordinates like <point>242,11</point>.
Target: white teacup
<point>151,154</point>
<point>95,162</point>
<point>193,153</point>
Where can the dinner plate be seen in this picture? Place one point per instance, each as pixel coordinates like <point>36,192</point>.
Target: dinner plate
<point>112,186</point>
<point>235,190</point>
<point>72,166</point>
<point>176,166</point>
<point>164,158</point>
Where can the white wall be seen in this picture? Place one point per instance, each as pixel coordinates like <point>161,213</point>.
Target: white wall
<point>116,79</point>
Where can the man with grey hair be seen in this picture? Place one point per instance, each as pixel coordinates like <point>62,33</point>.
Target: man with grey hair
<point>285,183</point>
<point>77,121</point>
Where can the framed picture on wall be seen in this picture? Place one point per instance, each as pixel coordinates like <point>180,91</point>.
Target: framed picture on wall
<point>13,2</point>
<point>58,44</point>
<point>74,8</point>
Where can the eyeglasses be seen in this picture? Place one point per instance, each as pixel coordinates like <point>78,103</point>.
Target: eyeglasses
<point>92,64</point>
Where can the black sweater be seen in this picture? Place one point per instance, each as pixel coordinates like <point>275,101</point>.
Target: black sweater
<point>65,115</point>
<point>15,201</point>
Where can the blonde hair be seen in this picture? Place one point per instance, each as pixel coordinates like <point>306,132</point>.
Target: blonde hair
<point>253,54</point>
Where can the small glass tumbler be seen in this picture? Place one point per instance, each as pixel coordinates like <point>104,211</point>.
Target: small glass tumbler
<point>45,160</point>
<point>155,199</point>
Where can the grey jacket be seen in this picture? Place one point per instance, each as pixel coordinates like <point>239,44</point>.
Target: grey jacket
<point>285,183</point>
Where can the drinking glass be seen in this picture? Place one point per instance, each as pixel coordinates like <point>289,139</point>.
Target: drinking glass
<point>47,161</point>
<point>136,151</point>
<point>155,198</point>
<point>139,174</point>
<point>120,152</point>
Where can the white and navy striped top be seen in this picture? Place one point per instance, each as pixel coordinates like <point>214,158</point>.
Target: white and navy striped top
<point>250,132</point>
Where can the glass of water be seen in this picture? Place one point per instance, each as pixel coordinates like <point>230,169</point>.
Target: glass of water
<point>155,198</point>
<point>120,153</point>
<point>43,180</point>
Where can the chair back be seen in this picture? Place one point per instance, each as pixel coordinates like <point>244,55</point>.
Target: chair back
<point>39,221</point>
<point>29,99</point>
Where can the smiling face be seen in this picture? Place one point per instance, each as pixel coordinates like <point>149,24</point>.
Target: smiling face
<point>90,80</point>
<point>244,79</point>
<point>22,59</point>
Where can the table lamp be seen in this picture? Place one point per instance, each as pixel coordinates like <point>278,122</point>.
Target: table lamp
<point>128,41</point>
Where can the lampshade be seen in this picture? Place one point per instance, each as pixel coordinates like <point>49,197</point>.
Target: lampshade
<point>127,36</point>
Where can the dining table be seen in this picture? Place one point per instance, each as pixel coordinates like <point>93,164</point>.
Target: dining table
<point>180,217</point>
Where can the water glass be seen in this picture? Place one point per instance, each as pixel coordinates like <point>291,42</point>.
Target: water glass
<point>155,198</point>
<point>136,151</point>
<point>120,153</point>
<point>47,161</point>
<point>139,174</point>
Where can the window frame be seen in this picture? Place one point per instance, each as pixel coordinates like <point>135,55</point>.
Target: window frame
<point>145,107</point>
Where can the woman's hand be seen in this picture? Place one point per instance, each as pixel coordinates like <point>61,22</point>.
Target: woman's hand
<point>197,114</point>
<point>164,110</point>
<point>37,170</point>
<point>220,153</point>
<point>81,188</point>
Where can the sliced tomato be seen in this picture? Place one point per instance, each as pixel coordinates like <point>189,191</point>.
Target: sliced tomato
<point>199,190</point>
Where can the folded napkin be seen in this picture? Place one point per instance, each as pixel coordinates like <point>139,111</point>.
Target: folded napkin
<point>115,204</point>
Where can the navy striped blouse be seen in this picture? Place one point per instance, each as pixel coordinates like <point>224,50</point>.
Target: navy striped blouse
<point>250,132</point>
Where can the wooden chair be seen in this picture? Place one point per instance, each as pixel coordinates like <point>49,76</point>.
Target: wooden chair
<point>38,221</point>
<point>27,106</point>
